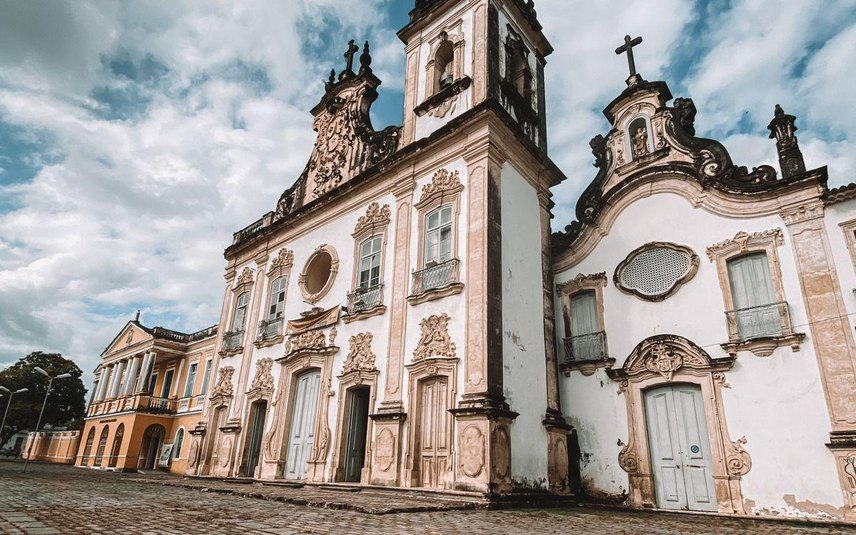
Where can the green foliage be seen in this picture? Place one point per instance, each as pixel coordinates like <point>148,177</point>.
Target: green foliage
<point>66,405</point>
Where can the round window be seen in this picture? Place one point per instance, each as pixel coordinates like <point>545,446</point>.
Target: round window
<point>319,273</point>
<point>655,271</point>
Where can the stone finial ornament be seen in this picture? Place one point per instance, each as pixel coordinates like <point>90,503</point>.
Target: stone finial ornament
<point>782,129</point>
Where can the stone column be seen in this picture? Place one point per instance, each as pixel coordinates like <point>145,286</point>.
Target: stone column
<point>831,335</point>
<point>176,387</point>
<point>102,383</point>
<point>111,376</point>
<point>410,94</point>
<point>146,371</point>
<point>117,379</point>
<point>131,380</point>
<point>385,467</point>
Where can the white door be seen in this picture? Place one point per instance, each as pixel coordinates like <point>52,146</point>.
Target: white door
<point>680,448</point>
<point>302,432</point>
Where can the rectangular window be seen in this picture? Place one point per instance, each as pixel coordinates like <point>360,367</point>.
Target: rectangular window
<point>755,308</point>
<point>167,383</point>
<point>204,388</point>
<point>240,312</point>
<point>370,262</point>
<point>277,298</point>
<point>191,379</point>
<point>153,379</point>
<point>438,236</point>
<point>586,341</point>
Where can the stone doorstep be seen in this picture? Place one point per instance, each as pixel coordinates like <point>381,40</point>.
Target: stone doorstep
<point>838,524</point>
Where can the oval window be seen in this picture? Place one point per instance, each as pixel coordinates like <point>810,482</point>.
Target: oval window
<point>319,273</point>
<point>655,271</point>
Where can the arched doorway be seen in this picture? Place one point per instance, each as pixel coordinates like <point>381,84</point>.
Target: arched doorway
<point>117,444</point>
<point>102,445</point>
<point>150,447</point>
<point>301,434</point>
<point>87,449</point>
<point>253,447</point>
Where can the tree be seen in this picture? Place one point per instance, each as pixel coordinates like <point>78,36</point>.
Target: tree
<point>67,402</point>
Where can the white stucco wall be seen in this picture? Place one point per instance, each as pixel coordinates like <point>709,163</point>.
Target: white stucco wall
<point>777,402</point>
<point>523,355</point>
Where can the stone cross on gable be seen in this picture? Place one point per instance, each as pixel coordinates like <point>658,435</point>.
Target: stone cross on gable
<point>628,47</point>
<point>349,55</point>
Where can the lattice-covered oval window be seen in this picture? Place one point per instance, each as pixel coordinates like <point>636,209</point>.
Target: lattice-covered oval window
<point>656,270</point>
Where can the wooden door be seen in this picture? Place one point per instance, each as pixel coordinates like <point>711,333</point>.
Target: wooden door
<point>680,448</point>
<point>355,447</point>
<point>254,440</point>
<point>433,431</point>
<point>302,433</point>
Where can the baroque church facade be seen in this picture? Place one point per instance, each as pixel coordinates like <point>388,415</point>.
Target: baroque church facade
<point>404,317</point>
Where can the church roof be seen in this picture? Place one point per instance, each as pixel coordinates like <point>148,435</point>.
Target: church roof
<point>841,194</point>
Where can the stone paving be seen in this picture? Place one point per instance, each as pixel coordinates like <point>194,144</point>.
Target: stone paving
<point>60,499</point>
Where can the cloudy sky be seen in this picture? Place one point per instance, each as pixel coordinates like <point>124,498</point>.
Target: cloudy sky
<point>135,137</point>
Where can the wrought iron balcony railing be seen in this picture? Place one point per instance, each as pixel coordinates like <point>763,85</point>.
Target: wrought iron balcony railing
<point>269,329</point>
<point>590,346</point>
<point>760,321</point>
<point>436,276</point>
<point>365,298</point>
<point>232,340</point>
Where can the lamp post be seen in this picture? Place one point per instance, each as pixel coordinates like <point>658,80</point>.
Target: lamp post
<point>8,404</point>
<point>47,393</point>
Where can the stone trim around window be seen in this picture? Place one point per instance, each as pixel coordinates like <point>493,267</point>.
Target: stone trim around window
<point>375,222</point>
<point>334,270</point>
<point>849,229</point>
<point>279,267</point>
<point>444,189</point>
<point>743,243</point>
<point>566,290</point>
<point>676,285</point>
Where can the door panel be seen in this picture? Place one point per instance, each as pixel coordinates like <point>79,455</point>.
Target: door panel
<point>255,438</point>
<point>302,434</point>
<point>355,448</point>
<point>680,448</point>
<point>433,432</point>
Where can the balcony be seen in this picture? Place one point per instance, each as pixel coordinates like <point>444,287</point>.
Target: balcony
<point>270,332</point>
<point>435,281</point>
<point>761,329</point>
<point>586,353</point>
<point>232,343</point>
<point>137,403</point>
<point>365,302</point>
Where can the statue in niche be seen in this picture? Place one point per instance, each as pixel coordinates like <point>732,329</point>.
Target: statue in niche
<point>640,141</point>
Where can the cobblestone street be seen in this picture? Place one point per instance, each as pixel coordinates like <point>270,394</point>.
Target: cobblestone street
<point>61,499</point>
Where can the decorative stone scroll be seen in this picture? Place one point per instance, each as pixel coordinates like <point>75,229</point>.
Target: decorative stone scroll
<point>263,379</point>
<point>360,356</point>
<point>376,216</point>
<point>224,382</point>
<point>245,279</point>
<point>435,340</point>
<point>442,183</point>
<point>743,242</point>
<point>283,260</point>
<point>307,340</point>
<point>582,282</point>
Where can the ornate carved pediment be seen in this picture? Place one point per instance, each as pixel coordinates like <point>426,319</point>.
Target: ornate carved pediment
<point>310,341</point>
<point>360,356</point>
<point>582,281</point>
<point>443,182</point>
<point>283,260</point>
<point>665,355</point>
<point>245,279</point>
<point>224,382</point>
<point>376,217</point>
<point>435,340</point>
<point>263,379</point>
<point>346,144</point>
<point>742,241</point>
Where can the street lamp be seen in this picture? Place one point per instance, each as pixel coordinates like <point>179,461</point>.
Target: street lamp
<point>9,403</point>
<point>47,393</point>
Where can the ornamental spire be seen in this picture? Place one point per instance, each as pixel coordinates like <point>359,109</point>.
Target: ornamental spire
<point>783,128</point>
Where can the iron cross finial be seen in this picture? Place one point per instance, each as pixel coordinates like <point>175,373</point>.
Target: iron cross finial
<point>349,55</point>
<point>628,47</point>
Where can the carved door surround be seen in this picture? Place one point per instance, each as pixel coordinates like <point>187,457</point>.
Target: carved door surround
<point>303,352</point>
<point>671,359</point>
<point>358,371</point>
<point>261,389</point>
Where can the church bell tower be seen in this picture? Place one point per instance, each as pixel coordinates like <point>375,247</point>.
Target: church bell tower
<point>463,53</point>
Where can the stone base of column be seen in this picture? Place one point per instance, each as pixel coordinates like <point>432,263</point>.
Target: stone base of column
<point>224,463</point>
<point>557,451</point>
<point>843,446</point>
<point>483,444</point>
<point>385,464</point>
<point>194,456</point>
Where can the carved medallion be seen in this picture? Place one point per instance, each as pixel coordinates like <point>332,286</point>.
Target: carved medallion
<point>472,451</point>
<point>225,451</point>
<point>385,452</point>
<point>501,453</point>
<point>263,379</point>
<point>435,340</point>
<point>360,356</point>
<point>193,455</point>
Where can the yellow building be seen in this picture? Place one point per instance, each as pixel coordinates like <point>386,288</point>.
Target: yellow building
<point>147,395</point>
